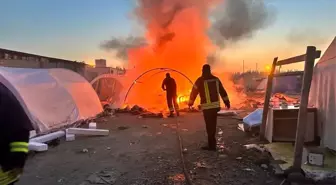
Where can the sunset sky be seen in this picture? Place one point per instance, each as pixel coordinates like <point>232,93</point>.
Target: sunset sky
<point>74,29</point>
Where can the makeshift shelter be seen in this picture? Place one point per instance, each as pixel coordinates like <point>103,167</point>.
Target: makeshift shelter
<point>323,95</point>
<point>52,98</point>
<point>287,83</point>
<point>108,88</point>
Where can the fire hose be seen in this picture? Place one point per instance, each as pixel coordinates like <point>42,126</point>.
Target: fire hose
<point>185,171</point>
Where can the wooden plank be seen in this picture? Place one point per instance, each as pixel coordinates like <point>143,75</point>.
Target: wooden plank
<point>302,118</point>
<point>296,59</point>
<point>291,60</point>
<point>267,99</point>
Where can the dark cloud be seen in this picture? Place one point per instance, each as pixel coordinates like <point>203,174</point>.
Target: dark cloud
<point>235,20</point>
<point>121,45</point>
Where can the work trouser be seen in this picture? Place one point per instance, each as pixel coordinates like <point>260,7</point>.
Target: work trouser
<point>210,118</point>
<point>172,103</point>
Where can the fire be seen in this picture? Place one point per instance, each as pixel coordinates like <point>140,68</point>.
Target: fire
<point>182,99</point>
<point>268,68</point>
<point>176,33</point>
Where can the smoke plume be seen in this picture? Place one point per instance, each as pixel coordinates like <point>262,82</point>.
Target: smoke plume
<point>121,45</point>
<point>241,19</point>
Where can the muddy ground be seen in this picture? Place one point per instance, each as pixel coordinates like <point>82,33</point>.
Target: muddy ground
<point>146,151</point>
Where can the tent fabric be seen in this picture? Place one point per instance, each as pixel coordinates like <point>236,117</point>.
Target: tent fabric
<point>52,98</point>
<point>323,95</point>
<point>108,87</point>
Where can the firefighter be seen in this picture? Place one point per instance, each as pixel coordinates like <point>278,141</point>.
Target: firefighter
<point>209,88</point>
<point>169,85</point>
<point>14,136</point>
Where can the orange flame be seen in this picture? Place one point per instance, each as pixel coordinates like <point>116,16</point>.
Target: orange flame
<point>182,45</point>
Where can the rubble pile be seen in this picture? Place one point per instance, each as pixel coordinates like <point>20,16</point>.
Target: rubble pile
<point>254,102</point>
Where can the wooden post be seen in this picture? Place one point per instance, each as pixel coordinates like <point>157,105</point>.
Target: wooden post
<point>302,118</point>
<point>267,99</point>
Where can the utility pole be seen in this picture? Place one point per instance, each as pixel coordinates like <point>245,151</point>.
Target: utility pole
<point>243,67</point>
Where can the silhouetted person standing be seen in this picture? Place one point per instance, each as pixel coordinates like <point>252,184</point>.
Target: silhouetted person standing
<point>209,88</point>
<point>169,85</point>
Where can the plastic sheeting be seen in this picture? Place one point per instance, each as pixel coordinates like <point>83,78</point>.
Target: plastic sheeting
<point>323,95</point>
<point>253,119</point>
<point>108,87</point>
<point>52,98</point>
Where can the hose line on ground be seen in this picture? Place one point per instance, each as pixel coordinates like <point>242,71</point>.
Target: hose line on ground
<point>185,171</point>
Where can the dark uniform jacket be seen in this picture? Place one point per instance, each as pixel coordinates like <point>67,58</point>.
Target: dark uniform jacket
<point>14,136</point>
<point>169,85</point>
<point>209,88</point>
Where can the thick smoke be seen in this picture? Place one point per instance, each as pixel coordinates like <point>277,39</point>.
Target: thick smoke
<point>121,45</point>
<point>241,19</point>
<point>233,21</point>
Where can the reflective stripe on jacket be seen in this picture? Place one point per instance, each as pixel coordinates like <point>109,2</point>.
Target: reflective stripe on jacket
<point>210,89</point>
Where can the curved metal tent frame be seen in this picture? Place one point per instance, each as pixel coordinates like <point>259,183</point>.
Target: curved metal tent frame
<point>160,71</point>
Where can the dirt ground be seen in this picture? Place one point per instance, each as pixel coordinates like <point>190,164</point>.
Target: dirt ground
<point>146,152</point>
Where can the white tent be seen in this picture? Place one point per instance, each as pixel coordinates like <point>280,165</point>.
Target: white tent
<point>323,96</point>
<point>52,98</point>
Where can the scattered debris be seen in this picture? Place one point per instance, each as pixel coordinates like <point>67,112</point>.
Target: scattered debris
<point>38,147</point>
<point>92,125</point>
<point>48,137</point>
<point>227,113</point>
<point>151,115</point>
<point>200,165</point>
<point>222,156</point>
<point>84,131</point>
<point>69,137</point>
<point>264,166</point>
<point>185,150</point>
<point>32,133</point>
<point>260,148</point>
<point>252,120</point>
<point>177,178</point>
<point>123,127</point>
<point>248,169</point>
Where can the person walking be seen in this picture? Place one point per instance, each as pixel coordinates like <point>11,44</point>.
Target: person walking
<point>14,136</point>
<point>209,87</point>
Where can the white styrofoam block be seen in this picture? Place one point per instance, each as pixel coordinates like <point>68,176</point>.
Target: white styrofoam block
<point>315,159</point>
<point>48,137</point>
<point>92,125</point>
<point>32,133</point>
<point>85,131</point>
<point>69,137</point>
<point>38,147</point>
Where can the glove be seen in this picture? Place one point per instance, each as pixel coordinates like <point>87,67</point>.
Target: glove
<point>227,104</point>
